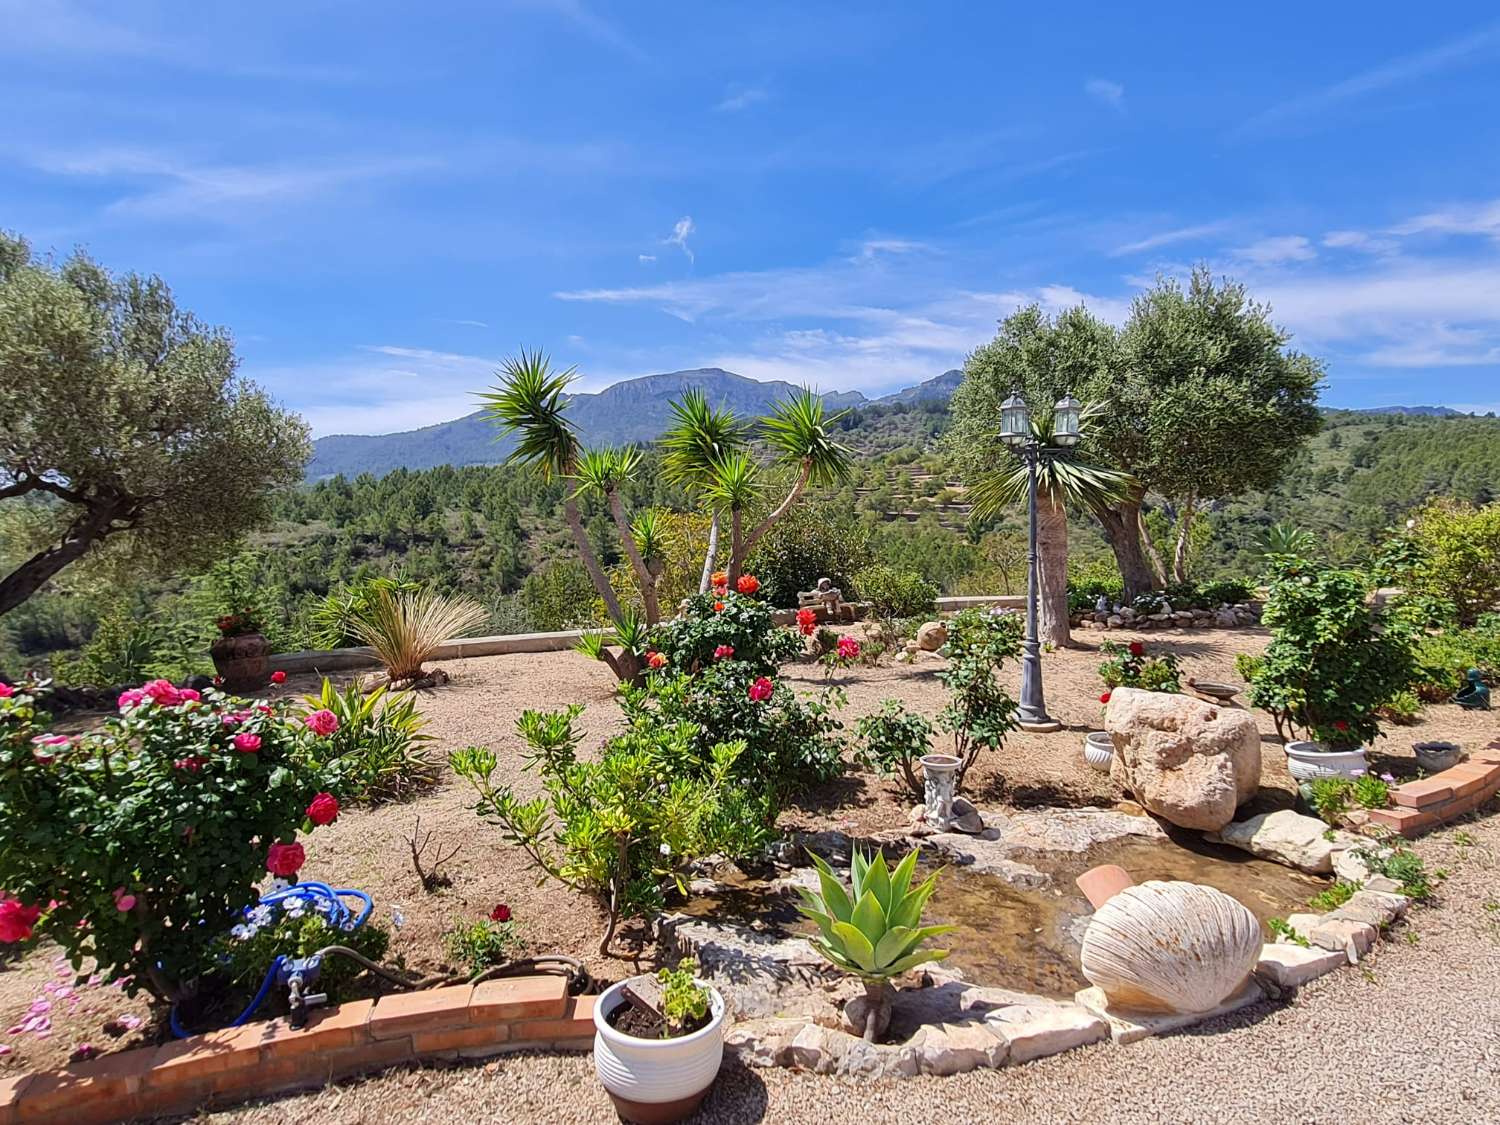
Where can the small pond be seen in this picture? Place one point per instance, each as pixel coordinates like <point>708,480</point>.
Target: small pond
<point>1028,939</point>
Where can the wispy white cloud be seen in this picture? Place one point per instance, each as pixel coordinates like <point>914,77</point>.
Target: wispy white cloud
<point>1171,238</point>
<point>595,26</point>
<point>1362,241</point>
<point>681,230</point>
<point>1476,218</point>
<point>738,98</point>
<point>872,248</point>
<point>645,259</point>
<point>1458,52</point>
<point>1109,93</point>
<point>469,323</point>
<point>1282,248</point>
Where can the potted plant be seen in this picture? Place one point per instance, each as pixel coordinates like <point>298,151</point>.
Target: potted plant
<point>1127,666</point>
<point>873,930</point>
<point>658,1043</point>
<point>241,654</point>
<point>1332,662</point>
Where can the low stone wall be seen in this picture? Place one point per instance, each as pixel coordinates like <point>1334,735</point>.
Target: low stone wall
<point>1237,616</point>
<point>1421,806</point>
<point>464,1021</point>
<point>342,659</point>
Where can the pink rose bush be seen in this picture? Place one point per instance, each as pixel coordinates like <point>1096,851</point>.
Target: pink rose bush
<point>154,831</point>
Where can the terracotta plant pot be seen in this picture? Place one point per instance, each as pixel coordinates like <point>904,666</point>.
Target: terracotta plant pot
<point>656,1080</point>
<point>243,662</point>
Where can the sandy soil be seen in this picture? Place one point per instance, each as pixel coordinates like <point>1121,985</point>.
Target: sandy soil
<point>368,848</point>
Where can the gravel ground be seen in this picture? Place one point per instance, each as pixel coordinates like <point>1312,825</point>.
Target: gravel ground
<point>1411,1035</point>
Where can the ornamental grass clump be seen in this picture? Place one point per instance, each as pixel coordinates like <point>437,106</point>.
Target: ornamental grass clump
<point>405,628</point>
<point>137,845</point>
<point>873,930</point>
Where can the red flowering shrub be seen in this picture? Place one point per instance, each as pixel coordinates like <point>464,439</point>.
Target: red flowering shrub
<point>285,860</point>
<point>324,809</point>
<point>762,689</point>
<point>807,621</point>
<point>138,844</point>
<point>747,584</point>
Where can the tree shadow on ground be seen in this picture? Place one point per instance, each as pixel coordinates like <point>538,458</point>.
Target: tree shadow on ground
<point>997,790</point>
<point>847,791</point>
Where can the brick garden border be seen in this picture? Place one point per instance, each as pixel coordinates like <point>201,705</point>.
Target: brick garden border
<point>462,1021</point>
<point>1421,806</point>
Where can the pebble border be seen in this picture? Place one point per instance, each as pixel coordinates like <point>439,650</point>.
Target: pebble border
<point>235,1064</point>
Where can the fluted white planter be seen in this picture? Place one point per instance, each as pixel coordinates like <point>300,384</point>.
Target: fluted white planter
<point>1307,761</point>
<point>657,1080</point>
<point>1099,750</point>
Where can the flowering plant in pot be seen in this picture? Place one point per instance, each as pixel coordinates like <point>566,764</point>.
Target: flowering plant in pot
<point>135,846</point>
<point>1333,661</point>
<point>658,1043</point>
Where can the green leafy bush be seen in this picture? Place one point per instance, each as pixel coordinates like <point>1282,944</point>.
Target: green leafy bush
<point>624,827</point>
<point>1130,666</point>
<point>481,945</point>
<point>127,649</point>
<point>1331,662</point>
<point>335,621</point>
<point>380,744</point>
<point>1247,666</point>
<point>709,623</point>
<point>812,541</point>
<point>1225,592</point>
<point>684,1002</point>
<point>1403,708</point>
<point>1403,865</point>
<point>979,712</point>
<point>1086,581</point>
<point>1456,556</point>
<point>1443,659</point>
<point>891,741</point>
<point>149,835</point>
<point>289,928</point>
<point>1332,797</point>
<point>895,593</point>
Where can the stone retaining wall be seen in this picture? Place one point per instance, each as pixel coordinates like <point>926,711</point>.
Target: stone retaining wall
<point>1238,616</point>
<point>463,1021</point>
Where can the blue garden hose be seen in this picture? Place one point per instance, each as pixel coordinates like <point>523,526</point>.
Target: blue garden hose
<point>339,916</point>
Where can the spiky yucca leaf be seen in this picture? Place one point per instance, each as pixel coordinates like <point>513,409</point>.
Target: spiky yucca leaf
<point>875,932</point>
<point>700,436</point>
<point>529,400</point>
<point>798,429</point>
<point>405,627</point>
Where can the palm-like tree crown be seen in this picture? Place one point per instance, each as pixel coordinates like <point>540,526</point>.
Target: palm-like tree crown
<point>700,435</point>
<point>603,469</point>
<point>1074,482</point>
<point>735,483</point>
<point>529,400</point>
<point>797,429</point>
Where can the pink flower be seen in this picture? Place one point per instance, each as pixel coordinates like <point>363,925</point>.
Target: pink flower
<point>124,903</point>
<point>723,652</point>
<point>43,745</point>
<point>324,809</point>
<point>190,695</point>
<point>6,691</point>
<point>278,677</point>
<point>322,722</point>
<point>246,742</point>
<point>162,693</point>
<point>191,765</point>
<point>16,920</point>
<point>848,648</point>
<point>761,689</point>
<point>231,718</point>
<point>131,698</point>
<point>285,860</point>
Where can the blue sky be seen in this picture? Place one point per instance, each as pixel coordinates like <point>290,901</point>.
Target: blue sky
<point>380,200</point>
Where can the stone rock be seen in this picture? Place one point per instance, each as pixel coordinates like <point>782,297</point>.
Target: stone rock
<point>1187,761</point>
<point>1127,614</point>
<point>1350,866</point>
<point>1352,938</point>
<point>1127,1026</point>
<point>1159,618</point>
<point>932,636</point>
<point>1114,620</point>
<point>761,974</point>
<point>763,1042</point>
<point>1034,1031</point>
<point>1170,947</point>
<point>1377,908</point>
<point>1302,924</point>
<point>1291,966</point>
<point>957,1048</point>
<point>1383,884</point>
<point>1226,619</point>
<point>966,817</point>
<point>1288,837</point>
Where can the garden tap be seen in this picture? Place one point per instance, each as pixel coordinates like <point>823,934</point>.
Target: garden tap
<point>297,975</point>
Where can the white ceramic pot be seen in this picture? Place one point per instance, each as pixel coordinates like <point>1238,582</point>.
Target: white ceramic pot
<point>1099,750</point>
<point>1307,761</point>
<point>657,1080</point>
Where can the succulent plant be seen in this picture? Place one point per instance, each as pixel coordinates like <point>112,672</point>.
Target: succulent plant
<point>875,932</point>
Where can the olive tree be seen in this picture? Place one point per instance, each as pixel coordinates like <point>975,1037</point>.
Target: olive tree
<point>122,421</point>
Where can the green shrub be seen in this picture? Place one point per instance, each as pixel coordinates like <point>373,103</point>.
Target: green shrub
<point>335,621</point>
<point>691,640</point>
<point>1331,662</point>
<point>1456,556</point>
<point>1130,666</point>
<point>1403,709</point>
<point>812,541</point>
<point>895,593</point>
<point>891,741</point>
<point>1443,659</point>
<point>1247,666</point>
<point>1334,897</point>
<point>481,945</point>
<point>287,928</point>
<point>380,745</point>
<point>1086,581</point>
<point>127,649</point>
<point>1225,592</point>
<point>1406,867</point>
<point>148,836</point>
<point>979,712</point>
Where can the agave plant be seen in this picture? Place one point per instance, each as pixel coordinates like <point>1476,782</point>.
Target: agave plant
<point>875,932</point>
<point>405,627</point>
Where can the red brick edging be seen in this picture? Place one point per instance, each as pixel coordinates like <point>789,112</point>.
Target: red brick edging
<point>463,1021</point>
<point>1423,805</point>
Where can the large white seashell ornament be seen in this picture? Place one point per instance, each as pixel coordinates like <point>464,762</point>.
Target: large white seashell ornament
<point>1170,947</point>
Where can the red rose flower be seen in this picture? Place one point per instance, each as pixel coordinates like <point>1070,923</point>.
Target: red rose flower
<point>723,652</point>
<point>285,860</point>
<point>278,677</point>
<point>848,648</point>
<point>501,913</point>
<point>807,621</point>
<point>718,607</point>
<point>1137,649</point>
<point>656,660</point>
<point>761,690</point>
<point>324,809</point>
<point>1340,725</point>
<point>1104,698</point>
<point>16,920</point>
<point>747,584</point>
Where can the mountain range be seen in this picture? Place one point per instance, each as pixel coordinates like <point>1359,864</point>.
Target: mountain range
<point>634,410</point>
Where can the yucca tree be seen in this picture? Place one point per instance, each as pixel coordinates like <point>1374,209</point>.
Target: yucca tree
<point>700,437</point>
<point>735,487</point>
<point>1063,481</point>
<point>798,431</point>
<point>405,628</point>
<point>604,471</point>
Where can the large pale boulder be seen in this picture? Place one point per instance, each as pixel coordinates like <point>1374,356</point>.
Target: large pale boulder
<point>1288,837</point>
<point>932,636</point>
<point>1188,762</point>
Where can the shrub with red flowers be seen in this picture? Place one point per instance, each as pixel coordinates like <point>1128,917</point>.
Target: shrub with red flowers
<point>137,845</point>
<point>477,946</point>
<point>807,621</point>
<point>1130,666</point>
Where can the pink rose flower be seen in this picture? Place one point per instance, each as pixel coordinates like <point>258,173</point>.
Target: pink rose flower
<point>6,691</point>
<point>189,695</point>
<point>848,648</point>
<point>322,722</point>
<point>16,920</point>
<point>231,718</point>
<point>723,652</point>
<point>761,690</point>
<point>124,903</point>
<point>324,809</point>
<point>162,693</point>
<point>247,743</point>
<point>285,860</point>
<point>131,698</point>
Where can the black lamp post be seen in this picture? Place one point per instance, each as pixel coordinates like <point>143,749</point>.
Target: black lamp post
<point>1015,431</point>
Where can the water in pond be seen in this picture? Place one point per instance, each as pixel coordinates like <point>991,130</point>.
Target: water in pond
<point>1029,939</point>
